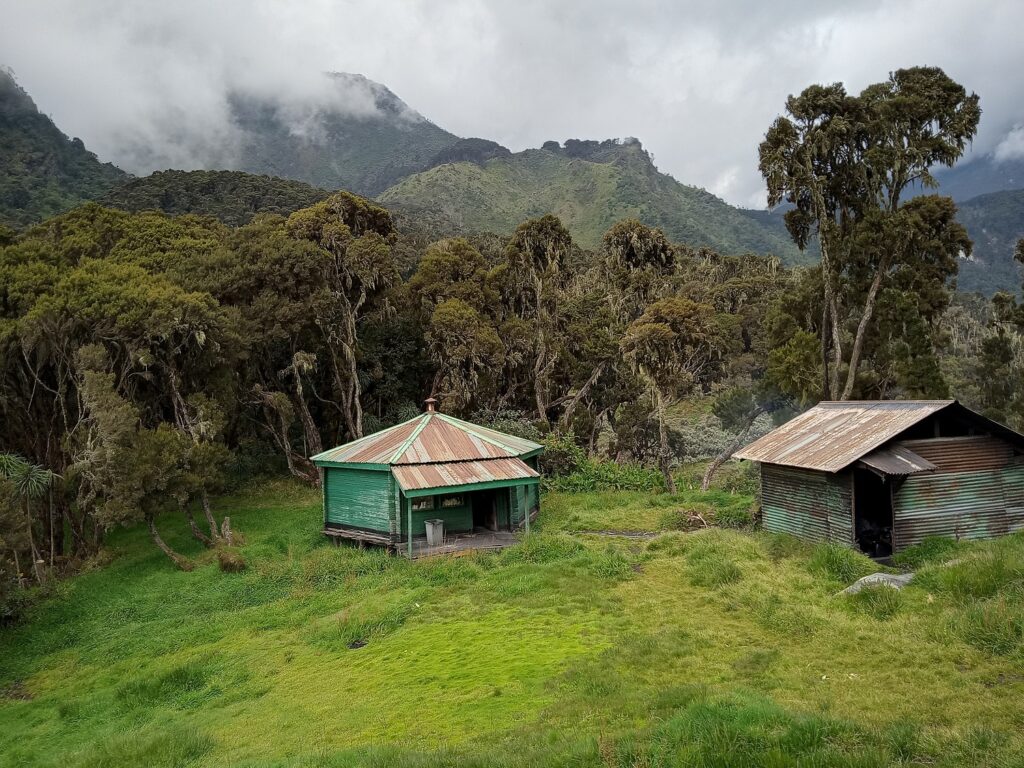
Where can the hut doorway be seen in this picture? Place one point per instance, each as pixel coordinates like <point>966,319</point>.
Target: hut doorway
<point>485,511</point>
<point>872,513</point>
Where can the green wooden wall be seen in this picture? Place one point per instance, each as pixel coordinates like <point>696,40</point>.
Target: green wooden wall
<point>361,498</point>
<point>455,518</point>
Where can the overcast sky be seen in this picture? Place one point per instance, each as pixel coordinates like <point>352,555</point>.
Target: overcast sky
<point>697,82</point>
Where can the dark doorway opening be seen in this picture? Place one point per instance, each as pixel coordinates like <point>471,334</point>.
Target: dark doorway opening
<point>872,513</point>
<point>485,511</point>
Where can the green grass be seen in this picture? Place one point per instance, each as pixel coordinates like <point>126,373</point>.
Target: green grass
<point>707,648</point>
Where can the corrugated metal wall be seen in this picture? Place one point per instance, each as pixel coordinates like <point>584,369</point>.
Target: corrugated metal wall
<point>806,503</point>
<point>977,492</point>
<point>963,454</point>
<point>361,498</point>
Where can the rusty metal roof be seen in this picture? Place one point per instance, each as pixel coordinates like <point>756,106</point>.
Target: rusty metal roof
<point>897,460</point>
<point>414,477</point>
<point>429,438</point>
<point>833,435</point>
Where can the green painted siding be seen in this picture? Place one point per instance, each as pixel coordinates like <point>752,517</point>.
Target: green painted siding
<point>811,505</point>
<point>455,518</point>
<point>361,498</point>
<point>961,505</point>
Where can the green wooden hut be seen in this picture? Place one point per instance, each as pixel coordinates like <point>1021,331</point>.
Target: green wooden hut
<point>882,476</point>
<point>382,488</point>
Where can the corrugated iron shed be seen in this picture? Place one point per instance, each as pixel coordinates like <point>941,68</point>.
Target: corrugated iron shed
<point>414,477</point>
<point>833,435</point>
<point>429,438</point>
<point>897,460</point>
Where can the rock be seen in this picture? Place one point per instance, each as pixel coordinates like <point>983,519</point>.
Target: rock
<point>896,581</point>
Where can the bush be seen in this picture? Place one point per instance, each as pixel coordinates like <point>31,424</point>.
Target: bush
<point>594,475</point>
<point>995,626</point>
<point>562,455</point>
<point>230,560</point>
<point>878,600</point>
<point>933,549</point>
<point>840,563</point>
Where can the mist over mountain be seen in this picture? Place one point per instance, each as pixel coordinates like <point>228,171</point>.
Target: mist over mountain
<point>42,171</point>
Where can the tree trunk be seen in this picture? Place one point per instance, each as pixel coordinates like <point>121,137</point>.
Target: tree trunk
<point>570,409</point>
<point>196,533</point>
<point>204,496</point>
<point>181,562</point>
<point>723,457</point>
<point>862,327</point>
<point>664,456</point>
<point>308,425</point>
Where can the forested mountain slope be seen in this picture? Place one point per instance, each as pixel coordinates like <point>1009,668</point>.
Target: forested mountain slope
<point>333,146</point>
<point>233,197</point>
<point>42,171</point>
<point>995,223</point>
<point>589,186</point>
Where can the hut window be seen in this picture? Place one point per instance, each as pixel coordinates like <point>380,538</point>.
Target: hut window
<point>418,505</point>
<point>451,501</point>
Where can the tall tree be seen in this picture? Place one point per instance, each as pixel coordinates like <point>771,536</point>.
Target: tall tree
<point>845,163</point>
<point>674,346</point>
<point>538,257</point>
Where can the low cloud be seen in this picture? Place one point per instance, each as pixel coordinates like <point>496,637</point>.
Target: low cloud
<point>148,84</point>
<point>1011,147</point>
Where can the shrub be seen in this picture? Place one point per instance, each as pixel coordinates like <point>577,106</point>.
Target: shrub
<point>594,475</point>
<point>562,455</point>
<point>995,626</point>
<point>878,600</point>
<point>840,563</point>
<point>933,549</point>
<point>230,560</point>
<point>734,517</point>
<point>975,578</point>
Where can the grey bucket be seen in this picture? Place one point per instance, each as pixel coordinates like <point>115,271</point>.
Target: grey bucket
<point>435,532</point>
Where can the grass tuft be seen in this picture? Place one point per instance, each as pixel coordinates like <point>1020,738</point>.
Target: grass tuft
<point>840,563</point>
<point>878,600</point>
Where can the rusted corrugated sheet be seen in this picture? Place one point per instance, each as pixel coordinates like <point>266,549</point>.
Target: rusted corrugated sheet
<point>807,503</point>
<point>412,477</point>
<point>963,454</point>
<point>832,435</point>
<point>440,441</point>
<point>897,460</point>
<point>962,505</point>
<point>430,437</point>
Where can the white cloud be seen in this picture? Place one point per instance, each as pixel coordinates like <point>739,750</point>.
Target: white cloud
<point>698,83</point>
<point>1012,146</point>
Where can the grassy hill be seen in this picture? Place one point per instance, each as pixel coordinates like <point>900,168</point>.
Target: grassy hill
<point>331,146</point>
<point>42,171</point>
<point>589,187</point>
<point>712,648</point>
<point>995,222</point>
<point>231,196</point>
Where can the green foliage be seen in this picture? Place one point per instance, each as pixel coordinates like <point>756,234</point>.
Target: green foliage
<point>840,563</point>
<point>42,171</point>
<point>601,475</point>
<point>610,183</point>
<point>878,600</point>
<point>232,197</point>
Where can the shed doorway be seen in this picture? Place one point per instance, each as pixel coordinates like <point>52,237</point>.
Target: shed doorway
<point>872,513</point>
<point>485,511</point>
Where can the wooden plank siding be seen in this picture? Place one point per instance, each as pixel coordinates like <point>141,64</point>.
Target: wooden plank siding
<point>360,498</point>
<point>807,503</point>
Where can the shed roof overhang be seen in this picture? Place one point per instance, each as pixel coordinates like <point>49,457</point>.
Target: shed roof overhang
<point>896,460</point>
<point>430,479</point>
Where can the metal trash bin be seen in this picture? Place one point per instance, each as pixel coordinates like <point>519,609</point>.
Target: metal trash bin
<point>435,532</point>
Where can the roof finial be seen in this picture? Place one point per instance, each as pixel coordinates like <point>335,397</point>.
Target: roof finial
<point>431,404</point>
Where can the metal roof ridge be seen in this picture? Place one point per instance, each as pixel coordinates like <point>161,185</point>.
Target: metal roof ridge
<point>415,433</point>
<point>468,427</point>
<point>364,437</point>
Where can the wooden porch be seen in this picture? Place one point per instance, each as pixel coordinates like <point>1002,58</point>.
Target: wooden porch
<point>453,544</point>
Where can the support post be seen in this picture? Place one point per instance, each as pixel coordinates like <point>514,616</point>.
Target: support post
<point>408,532</point>
<point>526,504</point>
